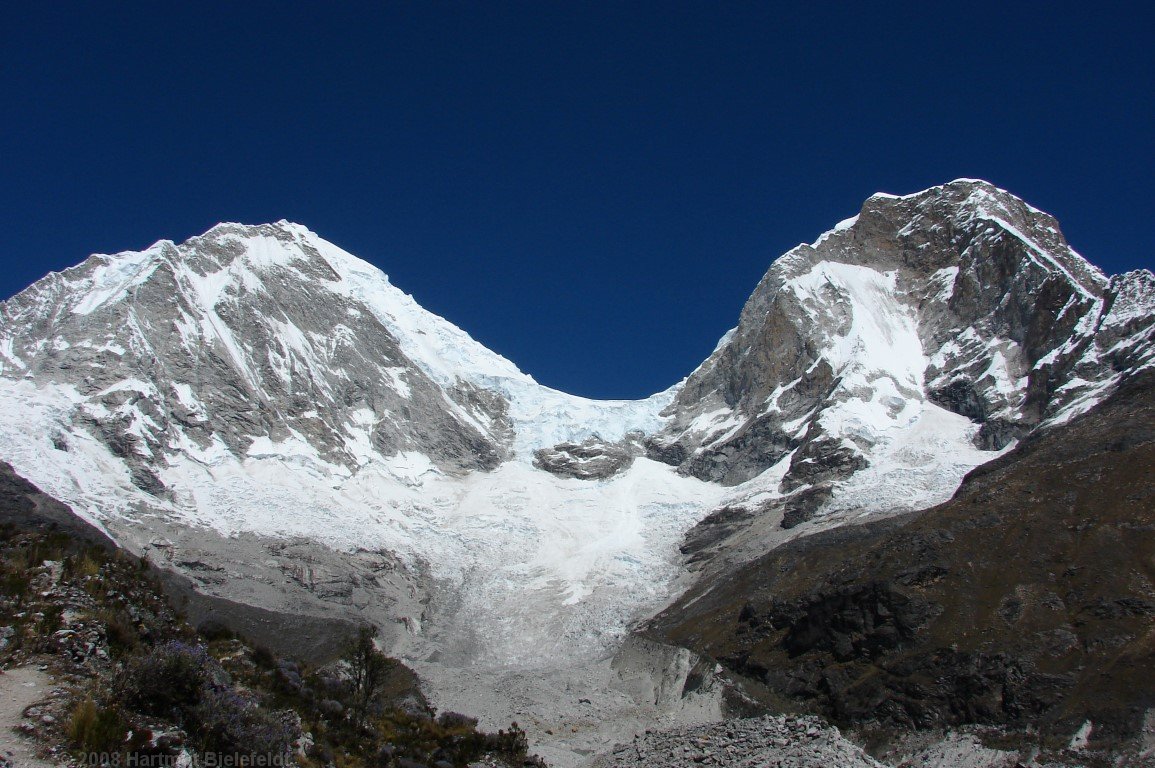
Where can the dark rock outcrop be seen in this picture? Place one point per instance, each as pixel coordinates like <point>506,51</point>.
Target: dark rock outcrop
<point>822,460</point>
<point>801,506</point>
<point>715,528</point>
<point>591,459</point>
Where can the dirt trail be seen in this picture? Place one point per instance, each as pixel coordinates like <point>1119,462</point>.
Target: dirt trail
<point>20,688</point>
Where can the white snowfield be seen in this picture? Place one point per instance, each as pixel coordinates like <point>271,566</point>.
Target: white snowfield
<point>512,539</point>
<point>918,451</point>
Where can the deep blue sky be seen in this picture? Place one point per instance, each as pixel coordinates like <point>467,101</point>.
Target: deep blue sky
<point>591,189</point>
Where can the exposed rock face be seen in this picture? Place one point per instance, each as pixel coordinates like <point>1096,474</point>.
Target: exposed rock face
<point>592,459</point>
<point>1028,598</point>
<point>245,337</point>
<point>714,529</point>
<point>800,507</point>
<point>962,296</point>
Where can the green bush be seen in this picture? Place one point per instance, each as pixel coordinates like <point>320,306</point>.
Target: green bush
<point>122,636</point>
<point>169,680</point>
<point>16,585</point>
<point>227,723</point>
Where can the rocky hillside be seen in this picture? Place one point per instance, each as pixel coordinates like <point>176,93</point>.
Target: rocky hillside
<point>783,742</point>
<point>1027,601</point>
<point>126,680</point>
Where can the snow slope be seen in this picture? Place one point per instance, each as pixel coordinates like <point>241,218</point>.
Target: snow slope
<point>512,544</point>
<point>542,416</point>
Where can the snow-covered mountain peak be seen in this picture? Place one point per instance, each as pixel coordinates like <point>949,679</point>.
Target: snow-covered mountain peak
<point>448,355</point>
<point>957,301</point>
<point>256,387</point>
<point>258,380</point>
<point>917,300</point>
<point>231,259</point>
<point>342,360</point>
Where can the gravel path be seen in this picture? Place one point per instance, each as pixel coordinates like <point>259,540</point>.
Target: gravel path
<point>19,689</point>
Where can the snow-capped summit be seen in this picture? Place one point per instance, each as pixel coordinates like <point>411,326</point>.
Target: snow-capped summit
<point>251,337</point>
<point>260,381</point>
<point>902,348</point>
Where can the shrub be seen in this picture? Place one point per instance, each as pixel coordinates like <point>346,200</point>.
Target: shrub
<point>368,668</point>
<point>16,584</point>
<point>50,619</point>
<point>213,630</point>
<point>121,633</point>
<point>96,729</point>
<point>227,723</point>
<point>264,658</point>
<point>456,721</point>
<point>169,680</point>
<point>48,622</point>
<point>81,566</point>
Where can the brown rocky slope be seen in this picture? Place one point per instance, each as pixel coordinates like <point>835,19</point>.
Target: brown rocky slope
<point>1028,600</point>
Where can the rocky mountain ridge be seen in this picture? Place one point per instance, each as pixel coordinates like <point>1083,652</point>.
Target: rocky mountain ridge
<point>873,368</point>
<point>262,333</point>
<point>961,295</point>
<point>269,339</point>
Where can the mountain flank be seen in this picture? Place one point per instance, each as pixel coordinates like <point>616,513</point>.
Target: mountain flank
<point>1026,601</point>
